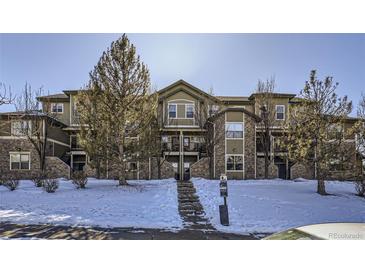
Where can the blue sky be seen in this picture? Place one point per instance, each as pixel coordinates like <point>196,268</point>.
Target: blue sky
<point>230,63</point>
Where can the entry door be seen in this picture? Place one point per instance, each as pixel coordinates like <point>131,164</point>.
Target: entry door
<point>186,171</point>
<point>282,171</point>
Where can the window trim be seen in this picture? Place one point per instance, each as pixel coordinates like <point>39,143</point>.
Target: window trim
<point>186,111</point>
<point>234,138</point>
<point>276,112</point>
<point>57,104</point>
<point>129,166</point>
<point>168,111</point>
<point>29,122</point>
<point>20,153</point>
<point>234,163</point>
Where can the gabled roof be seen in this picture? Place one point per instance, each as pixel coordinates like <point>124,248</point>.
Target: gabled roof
<point>31,114</point>
<point>58,96</point>
<point>190,86</point>
<point>237,109</point>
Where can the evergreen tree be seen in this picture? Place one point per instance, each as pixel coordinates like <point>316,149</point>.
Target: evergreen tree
<point>124,107</point>
<point>315,132</point>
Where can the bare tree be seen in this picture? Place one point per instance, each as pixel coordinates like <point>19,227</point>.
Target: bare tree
<point>33,123</point>
<point>6,96</point>
<point>359,131</point>
<point>264,99</point>
<point>205,115</point>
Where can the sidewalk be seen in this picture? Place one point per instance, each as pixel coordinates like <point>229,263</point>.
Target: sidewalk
<point>13,231</point>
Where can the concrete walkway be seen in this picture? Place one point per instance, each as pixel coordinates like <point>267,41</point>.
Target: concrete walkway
<point>14,231</point>
<point>190,208</point>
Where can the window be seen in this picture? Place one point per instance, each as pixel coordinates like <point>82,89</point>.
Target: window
<point>57,108</point>
<point>132,166</point>
<point>189,111</point>
<point>234,162</point>
<point>172,111</point>
<point>263,111</point>
<point>21,128</point>
<point>335,132</point>
<point>186,141</point>
<point>19,161</point>
<point>74,142</point>
<point>280,112</point>
<point>165,139</point>
<point>234,130</point>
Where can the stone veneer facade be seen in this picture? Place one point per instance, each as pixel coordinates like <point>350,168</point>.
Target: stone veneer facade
<point>54,165</point>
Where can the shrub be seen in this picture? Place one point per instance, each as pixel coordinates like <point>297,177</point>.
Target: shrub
<point>50,185</point>
<point>10,183</point>
<point>79,179</point>
<point>38,181</point>
<point>360,188</point>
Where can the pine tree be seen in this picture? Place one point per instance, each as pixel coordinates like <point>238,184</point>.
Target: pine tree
<point>120,85</point>
<point>315,129</point>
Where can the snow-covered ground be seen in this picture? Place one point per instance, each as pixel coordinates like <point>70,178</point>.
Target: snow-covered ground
<point>146,204</point>
<point>273,205</point>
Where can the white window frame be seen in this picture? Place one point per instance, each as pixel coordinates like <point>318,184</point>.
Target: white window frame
<point>234,162</point>
<point>20,159</point>
<point>234,138</point>
<point>168,111</point>
<point>186,111</point>
<point>276,112</point>
<point>57,104</point>
<point>29,122</point>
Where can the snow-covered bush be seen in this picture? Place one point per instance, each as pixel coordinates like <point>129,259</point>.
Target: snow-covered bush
<point>11,183</point>
<point>38,181</point>
<point>50,185</point>
<point>79,179</point>
<point>360,188</point>
<point>39,178</point>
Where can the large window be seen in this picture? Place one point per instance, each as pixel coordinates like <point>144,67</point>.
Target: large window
<point>172,111</point>
<point>234,130</point>
<point>21,128</point>
<point>280,112</point>
<point>189,111</point>
<point>19,161</point>
<point>57,108</point>
<point>234,162</point>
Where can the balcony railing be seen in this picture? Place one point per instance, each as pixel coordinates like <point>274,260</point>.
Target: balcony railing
<point>191,147</point>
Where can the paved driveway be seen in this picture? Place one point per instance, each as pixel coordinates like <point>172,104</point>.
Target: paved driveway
<point>13,231</point>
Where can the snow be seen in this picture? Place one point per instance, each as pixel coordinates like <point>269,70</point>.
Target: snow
<point>267,206</point>
<point>145,204</point>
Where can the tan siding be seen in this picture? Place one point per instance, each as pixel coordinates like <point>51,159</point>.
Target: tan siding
<point>234,116</point>
<point>235,146</point>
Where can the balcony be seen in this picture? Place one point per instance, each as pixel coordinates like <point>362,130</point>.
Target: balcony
<point>188,147</point>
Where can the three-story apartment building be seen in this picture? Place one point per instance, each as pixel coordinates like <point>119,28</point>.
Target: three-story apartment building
<point>185,113</point>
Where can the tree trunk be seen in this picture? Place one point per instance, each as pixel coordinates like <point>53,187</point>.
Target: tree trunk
<point>159,167</point>
<point>98,168</point>
<point>321,187</point>
<point>267,163</point>
<point>211,167</point>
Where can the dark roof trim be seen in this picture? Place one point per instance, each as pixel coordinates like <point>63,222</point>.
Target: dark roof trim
<point>275,94</point>
<point>238,109</point>
<point>54,97</point>
<point>32,114</point>
<point>182,82</point>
